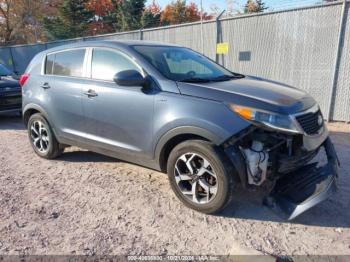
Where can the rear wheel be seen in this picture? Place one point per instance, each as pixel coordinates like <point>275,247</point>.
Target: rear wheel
<point>201,176</point>
<point>42,138</point>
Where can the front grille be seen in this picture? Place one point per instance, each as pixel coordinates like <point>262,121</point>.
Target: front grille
<point>310,122</point>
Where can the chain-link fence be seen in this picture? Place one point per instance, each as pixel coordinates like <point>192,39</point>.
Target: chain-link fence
<point>308,48</point>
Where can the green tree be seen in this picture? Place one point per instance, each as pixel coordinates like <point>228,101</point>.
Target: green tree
<point>254,6</point>
<point>150,20</point>
<point>151,16</point>
<point>71,21</point>
<point>128,14</point>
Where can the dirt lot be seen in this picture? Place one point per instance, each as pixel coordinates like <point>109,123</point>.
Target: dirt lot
<point>85,203</point>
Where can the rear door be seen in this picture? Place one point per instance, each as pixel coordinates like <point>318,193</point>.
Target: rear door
<point>117,118</point>
<point>62,89</point>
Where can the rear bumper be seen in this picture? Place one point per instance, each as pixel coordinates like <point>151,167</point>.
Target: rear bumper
<point>306,187</point>
<point>10,102</point>
<point>8,111</point>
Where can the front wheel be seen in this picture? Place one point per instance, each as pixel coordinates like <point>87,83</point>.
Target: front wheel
<point>201,176</point>
<point>42,138</point>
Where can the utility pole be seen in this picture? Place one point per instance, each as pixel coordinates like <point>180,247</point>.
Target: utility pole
<point>202,39</point>
<point>218,35</point>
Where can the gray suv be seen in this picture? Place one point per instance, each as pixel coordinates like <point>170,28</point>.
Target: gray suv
<point>171,109</point>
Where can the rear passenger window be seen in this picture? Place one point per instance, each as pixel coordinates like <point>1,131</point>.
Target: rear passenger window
<point>67,63</point>
<point>106,63</point>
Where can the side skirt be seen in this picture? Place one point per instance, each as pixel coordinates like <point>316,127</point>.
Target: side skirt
<point>134,159</point>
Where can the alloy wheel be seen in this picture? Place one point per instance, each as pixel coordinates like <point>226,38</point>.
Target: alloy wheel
<point>196,178</point>
<point>40,136</point>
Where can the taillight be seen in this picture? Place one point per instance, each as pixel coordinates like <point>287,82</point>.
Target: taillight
<point>23,79</point>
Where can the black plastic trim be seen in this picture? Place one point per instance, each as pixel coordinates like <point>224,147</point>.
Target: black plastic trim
<point>290,209</point>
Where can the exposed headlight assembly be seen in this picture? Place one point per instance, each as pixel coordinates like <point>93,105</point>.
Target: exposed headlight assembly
<point>268,119</point>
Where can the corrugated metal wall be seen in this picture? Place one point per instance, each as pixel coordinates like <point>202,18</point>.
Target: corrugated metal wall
<point>341,110</point>
<point>133,35</point>
<point>297,47</point>
<point>187,35</point>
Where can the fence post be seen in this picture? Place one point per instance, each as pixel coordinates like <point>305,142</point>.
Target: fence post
<point>141,34</point>
<point>218,34</point>
<point>337,60</point>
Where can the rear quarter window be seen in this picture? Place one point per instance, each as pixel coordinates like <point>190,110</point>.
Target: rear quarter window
<point>49,64</point>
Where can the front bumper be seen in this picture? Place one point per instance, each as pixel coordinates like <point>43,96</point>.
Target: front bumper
<point>305,187</point>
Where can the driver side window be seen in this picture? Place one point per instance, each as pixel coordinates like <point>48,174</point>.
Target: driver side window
<point>106,63</point>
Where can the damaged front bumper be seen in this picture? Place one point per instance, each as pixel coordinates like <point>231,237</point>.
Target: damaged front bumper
<point>305,187</point>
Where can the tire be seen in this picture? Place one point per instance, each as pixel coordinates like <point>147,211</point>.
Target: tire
<point>42,138</point>
<point>210,169</point>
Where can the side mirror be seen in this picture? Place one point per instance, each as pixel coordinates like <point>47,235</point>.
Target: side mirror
<point>129,78</point>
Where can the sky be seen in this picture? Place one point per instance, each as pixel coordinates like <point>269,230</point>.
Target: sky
<point>272,4</point>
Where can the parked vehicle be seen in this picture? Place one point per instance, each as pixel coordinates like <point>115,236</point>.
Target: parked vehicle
<point>10,91</point>
<point>169,108</point>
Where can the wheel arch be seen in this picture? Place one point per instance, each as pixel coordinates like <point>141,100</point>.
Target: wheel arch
<point>31,109</point>
<point>178,135</point>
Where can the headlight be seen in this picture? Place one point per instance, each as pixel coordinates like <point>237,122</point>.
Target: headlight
<point>265,118</point>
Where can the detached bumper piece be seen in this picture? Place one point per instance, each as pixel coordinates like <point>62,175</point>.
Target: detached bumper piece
<point>306,187</point>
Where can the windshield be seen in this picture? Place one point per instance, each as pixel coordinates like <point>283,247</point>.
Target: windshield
<point>4,71</point>
<point>183,64</point>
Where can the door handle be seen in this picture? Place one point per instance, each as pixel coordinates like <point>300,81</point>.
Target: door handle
<point>90,93</point>
<point>45,86</point>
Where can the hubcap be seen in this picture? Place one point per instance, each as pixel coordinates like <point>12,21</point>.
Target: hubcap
<point>39,136</point>
<point>195,178</point>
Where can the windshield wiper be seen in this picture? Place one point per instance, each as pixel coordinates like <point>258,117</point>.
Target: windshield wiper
<point>226,77</point>
<point>195,80</point>
<point>214,79</point>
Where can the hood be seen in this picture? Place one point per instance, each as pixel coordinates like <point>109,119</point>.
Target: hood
<point>253,92</point>
<point>8,82</point>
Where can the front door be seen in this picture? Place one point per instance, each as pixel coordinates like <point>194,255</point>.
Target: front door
<point>117,118</point>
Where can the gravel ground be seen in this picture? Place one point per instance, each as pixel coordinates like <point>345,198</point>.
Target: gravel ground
<point>85,203</point>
